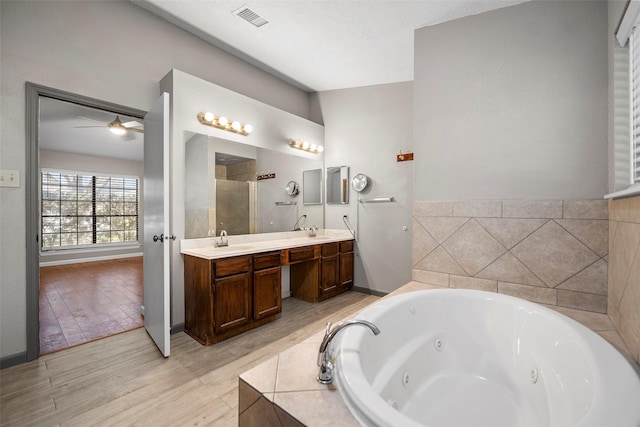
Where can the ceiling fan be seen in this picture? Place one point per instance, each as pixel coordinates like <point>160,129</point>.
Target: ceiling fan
<point>116,126</point>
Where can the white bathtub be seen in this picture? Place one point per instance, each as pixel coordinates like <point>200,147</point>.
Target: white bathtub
<point>471,358</point>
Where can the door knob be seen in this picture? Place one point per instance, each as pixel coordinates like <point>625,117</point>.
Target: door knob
<point>156,238</point>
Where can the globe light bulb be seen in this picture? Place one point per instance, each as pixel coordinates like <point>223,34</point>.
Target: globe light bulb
<point>235,126</point>
<point>320,148</point>
<point>248,128</point>
<point>208,116</point>
<point>223,121</point>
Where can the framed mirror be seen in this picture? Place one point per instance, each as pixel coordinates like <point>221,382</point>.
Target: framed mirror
<point>312,187</point>
<point>337,187</point>
<point>222,191</point>
<point>292,188</point>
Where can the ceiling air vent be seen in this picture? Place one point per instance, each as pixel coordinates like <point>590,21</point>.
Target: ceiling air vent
<point>250,16</point>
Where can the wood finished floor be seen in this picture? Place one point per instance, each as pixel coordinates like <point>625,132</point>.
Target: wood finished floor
<point>123,379</point>
<point>87,301</point>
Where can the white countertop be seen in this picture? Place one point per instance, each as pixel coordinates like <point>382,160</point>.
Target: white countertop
<point>255,243</point>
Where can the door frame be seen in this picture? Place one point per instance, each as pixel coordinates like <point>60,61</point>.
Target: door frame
<point>32,197</point>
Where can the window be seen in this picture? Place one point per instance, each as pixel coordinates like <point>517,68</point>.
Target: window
<point>634,102</point>
<point>626,144</point>
<point>85,210</point>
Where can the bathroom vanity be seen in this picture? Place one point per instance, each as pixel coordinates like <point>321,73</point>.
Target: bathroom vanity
<point>232,289</point>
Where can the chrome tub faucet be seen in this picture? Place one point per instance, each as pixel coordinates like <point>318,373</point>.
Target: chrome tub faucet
<point>325,373</point>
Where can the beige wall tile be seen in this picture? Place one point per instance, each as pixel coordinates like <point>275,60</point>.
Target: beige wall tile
<point>553,254</point>
<point>422,243</point>
<point>432,208</point>
<point>631,340</point>
<point>464,282</point>
<point>624,248</point>
<point>530,293</point>
<point>440,261</point>
<point>634,210</point>
<point>592,279</point>
<point>582,300</point>
<point>593,233</point>
<point>532,209</point>
<point>613,313</point>
<point>430,277</point>
<point>440,228</point>
<point>586,209</point>
<point>473,248</point>
<point>510,231</point>
<point>478,208</point>
<point>508,268</point>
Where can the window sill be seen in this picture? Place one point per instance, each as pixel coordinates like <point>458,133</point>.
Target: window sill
<point>631,191</point>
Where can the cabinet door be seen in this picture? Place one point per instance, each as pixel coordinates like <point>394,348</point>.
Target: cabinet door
<point>328,274</point>
<point>231,302</point>
<point>346,269</point>
<point>267,290</point>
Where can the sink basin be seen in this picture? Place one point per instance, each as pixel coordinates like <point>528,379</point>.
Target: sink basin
<point>224,249</point>
<point>233,248</point>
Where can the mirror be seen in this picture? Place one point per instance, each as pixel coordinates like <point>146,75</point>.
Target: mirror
<point>359,182</point>
<point>312,187</point>
<point>337,188</point>
<point>292,188</point>
<point>222,190</point>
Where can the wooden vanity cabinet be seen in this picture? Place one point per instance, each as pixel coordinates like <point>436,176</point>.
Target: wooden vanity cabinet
<point>267,287</point>
<point>231,293</point>
<point>346,264</point>
<point>225,297</point>
<point>329,269</point>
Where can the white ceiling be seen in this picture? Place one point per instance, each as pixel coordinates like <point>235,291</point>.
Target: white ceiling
<point>320,45</point>
<point>59,131</point>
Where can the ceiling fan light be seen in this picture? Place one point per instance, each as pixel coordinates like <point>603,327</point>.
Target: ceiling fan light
<point>118,130</point>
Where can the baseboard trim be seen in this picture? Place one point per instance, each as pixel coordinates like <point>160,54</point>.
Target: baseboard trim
<point>177,328</point>
<point>91,259</point>
<point>15,359</point>
<point>368,291</point>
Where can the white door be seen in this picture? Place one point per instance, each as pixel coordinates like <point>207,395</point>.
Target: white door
<point>157,242</point>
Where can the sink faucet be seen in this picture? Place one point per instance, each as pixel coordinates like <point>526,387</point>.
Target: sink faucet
<point>325,374</point>
<point>295,227</point>
<point>312,231</point>
<point>224,241</point>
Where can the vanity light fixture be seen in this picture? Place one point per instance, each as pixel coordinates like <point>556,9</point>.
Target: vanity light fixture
<point>305,146</point>
<point>221,122</point>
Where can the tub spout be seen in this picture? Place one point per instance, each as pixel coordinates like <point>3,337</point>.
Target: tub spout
<point>325,374</point>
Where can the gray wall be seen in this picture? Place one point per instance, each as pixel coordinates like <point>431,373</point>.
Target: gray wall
<point>512,104</point>
<point>113,51</point>
<point>365,128</point>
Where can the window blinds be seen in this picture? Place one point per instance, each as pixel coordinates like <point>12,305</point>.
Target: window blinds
<point>634,66</point>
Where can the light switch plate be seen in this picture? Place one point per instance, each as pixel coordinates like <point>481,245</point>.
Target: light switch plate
<point>9,178</point>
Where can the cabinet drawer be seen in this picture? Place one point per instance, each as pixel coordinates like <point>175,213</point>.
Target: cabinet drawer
<point>301,254</point>
<point>329,249</point>
<point>346,246</point>
<point>230,266</point>
<point>266,260</point>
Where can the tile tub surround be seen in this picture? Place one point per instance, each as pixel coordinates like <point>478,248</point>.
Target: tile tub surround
<point>552,252</point>
<point>282,391</point>
<point>624,271</point>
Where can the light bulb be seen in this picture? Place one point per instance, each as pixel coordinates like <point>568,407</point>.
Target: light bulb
<point>248,128</point>
<point>223,121</point>
<point>320,148</point>
<point>305,145</point>
<point>208,116</point>
<point>118,130</point>
<point>235,126</point>
<point>313,147</point>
